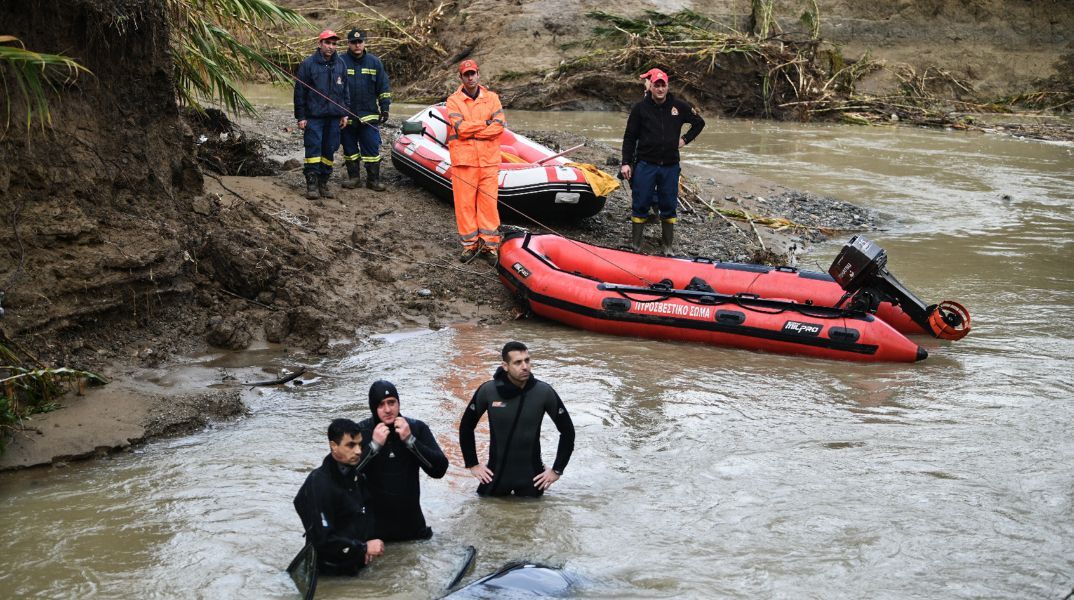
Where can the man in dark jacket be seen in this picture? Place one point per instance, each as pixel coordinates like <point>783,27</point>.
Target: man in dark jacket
<point>398,446</point>
<point>651,156</point>
<point>321,100</point>
<point>517,403</point>
<point>370,98</point>
<point>333,506</point>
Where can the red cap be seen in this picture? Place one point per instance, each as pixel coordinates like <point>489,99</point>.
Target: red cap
<point>467,66</point>
<point>648,73</point>
<point>327,34</point>
<point>658,75</point>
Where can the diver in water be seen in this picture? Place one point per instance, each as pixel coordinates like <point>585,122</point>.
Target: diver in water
<point>399,447</point>
<point>516,403</point>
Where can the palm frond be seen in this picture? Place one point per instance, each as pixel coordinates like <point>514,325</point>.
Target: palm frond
<point>34,74</point>
<point>214,45</point>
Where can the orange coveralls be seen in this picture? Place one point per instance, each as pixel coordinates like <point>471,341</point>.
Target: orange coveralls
<point>474,144</point>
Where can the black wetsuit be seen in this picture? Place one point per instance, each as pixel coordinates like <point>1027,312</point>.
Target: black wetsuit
<point>393,480</point>
<point>515,417</point>
<point>333,506</point>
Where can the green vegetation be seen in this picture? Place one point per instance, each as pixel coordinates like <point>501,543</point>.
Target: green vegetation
<point>26,391</point>
<point>34,74</point>
<point>213,48</point>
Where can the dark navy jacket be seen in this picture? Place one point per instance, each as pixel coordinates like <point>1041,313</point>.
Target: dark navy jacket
<point>334,510</point>
<point>367,84</point>
<point>327,77</point>
<point>653,130</point>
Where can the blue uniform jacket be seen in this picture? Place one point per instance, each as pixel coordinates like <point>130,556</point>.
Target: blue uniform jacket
<point>327,77</point>
<point>367,84</point>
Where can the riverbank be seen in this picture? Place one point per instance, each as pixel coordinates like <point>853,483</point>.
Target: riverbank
<point>272,268</point>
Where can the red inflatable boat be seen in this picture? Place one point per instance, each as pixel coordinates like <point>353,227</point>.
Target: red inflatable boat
<point>535,181</point>
<point>776,309</point>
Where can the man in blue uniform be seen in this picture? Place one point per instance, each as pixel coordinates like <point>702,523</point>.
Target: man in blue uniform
<point>399,447</point>
<point>370,98</point>
<point>333,506</point>
<point>321,100</point>
<point>516,403</point>
<point>651,156</point>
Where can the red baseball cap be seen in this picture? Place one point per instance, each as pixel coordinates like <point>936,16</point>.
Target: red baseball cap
<point>658,75</point>
<point>466,66</point>
<point>327,34</point>
<point>648,73</point>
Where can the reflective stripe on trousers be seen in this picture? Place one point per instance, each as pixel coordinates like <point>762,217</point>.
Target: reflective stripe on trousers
<point>361,142</point>
<point>320,139</point>
<point>476,214</point>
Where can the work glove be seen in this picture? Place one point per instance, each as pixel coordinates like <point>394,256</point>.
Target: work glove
<point>383,116</point>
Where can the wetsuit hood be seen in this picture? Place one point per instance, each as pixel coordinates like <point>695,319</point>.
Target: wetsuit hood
<point>506,388</point>
<point>379,391</point>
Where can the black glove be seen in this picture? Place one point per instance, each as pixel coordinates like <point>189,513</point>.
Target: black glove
<point>383,116</point>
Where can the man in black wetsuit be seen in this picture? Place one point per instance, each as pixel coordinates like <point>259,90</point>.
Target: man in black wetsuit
<point>516,402</point>
<point>333,506</point>
<point>399,447</point>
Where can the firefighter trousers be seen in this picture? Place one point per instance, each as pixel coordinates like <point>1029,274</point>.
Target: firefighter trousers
<point>477,215</point>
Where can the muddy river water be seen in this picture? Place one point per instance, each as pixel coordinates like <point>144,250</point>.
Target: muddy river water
<point>699,472</point>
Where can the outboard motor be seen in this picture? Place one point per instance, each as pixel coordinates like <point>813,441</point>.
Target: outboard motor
<point>860,269</point>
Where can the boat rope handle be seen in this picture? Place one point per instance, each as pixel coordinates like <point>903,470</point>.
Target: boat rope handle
<point>742,301</point>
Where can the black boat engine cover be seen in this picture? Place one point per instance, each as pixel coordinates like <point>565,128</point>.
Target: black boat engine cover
<point>858,263</point>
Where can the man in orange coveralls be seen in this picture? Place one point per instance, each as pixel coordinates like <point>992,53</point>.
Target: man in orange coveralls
<point>477,120</point>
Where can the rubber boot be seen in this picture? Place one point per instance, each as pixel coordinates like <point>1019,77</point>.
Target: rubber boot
<point>636,231</point>
<point>667,237</point>
<point>322,186</point>
<point>311,187</point>
<point>354,175</point>
<point>373,171</point>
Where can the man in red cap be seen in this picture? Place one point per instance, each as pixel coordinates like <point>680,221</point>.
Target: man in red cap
<point>647,82</point>
<point>476,122</point>
<point>651,157</point>
<point>321,99</point>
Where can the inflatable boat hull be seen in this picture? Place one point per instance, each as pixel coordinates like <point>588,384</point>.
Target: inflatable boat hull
<point>609,291</point>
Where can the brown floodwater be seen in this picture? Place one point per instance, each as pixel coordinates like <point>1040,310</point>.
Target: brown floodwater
<point>699,472</point>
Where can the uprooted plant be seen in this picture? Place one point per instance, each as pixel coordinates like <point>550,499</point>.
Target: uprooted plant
<point>29,390</point>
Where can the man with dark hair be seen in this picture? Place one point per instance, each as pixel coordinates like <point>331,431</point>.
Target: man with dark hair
<point>398,446</point>
<point>650,162</point>
<point>516,402</point>
<point>367,83</point>
<point>333,506</point>
<point>321,99</point>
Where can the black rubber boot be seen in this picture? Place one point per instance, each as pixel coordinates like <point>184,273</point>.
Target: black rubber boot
<point>311,187</point>
<point>636,233</point>
<point>667,237</point>
<point>373,171</point>
<point>322,186</point>
<point>354,175</point>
